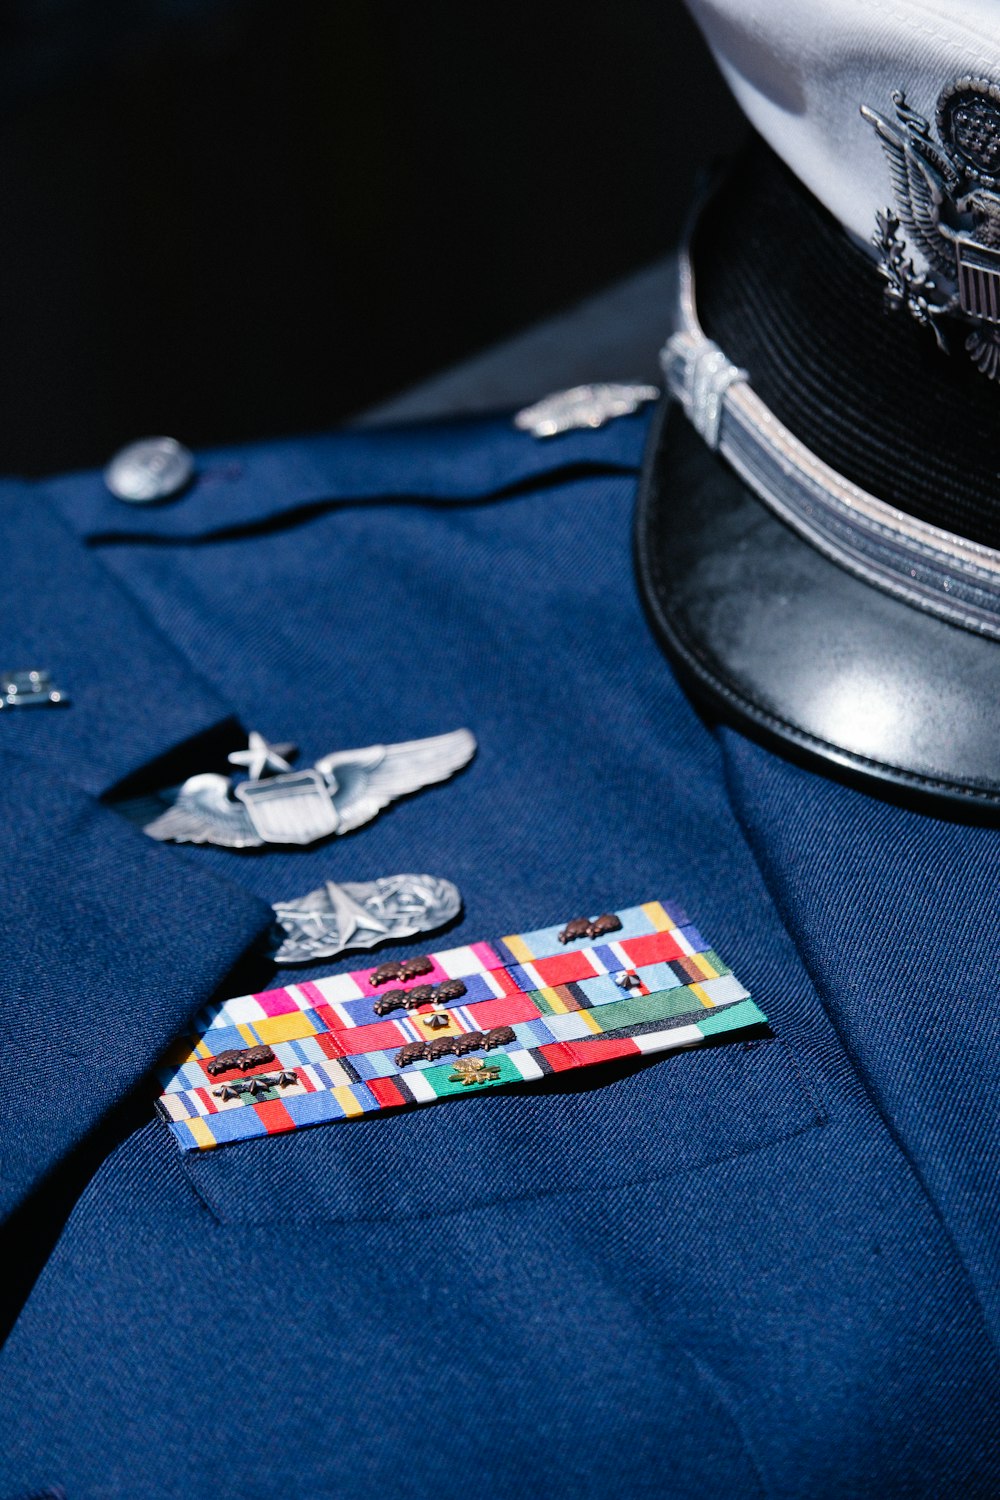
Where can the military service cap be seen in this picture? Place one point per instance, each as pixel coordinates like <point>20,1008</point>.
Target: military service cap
<point>819,531</point>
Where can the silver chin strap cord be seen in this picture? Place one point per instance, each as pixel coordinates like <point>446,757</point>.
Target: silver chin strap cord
<point>952,577</point>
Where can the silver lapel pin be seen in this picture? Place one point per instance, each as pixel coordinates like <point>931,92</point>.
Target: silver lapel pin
<point>31,689</point>
<point>337,918</point>
<point>339,793</point>
<point>583,406</point>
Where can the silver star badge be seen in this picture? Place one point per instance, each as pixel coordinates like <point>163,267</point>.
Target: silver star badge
<point>339,793</point>
<point>337,918</point>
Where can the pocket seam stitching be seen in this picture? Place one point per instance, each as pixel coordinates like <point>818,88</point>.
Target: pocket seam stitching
<point>820,1118</point>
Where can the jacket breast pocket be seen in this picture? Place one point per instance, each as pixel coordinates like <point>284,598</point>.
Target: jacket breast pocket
<point>602,1127</point>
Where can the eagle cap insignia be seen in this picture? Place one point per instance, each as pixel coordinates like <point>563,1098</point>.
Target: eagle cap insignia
<point>947,214</point>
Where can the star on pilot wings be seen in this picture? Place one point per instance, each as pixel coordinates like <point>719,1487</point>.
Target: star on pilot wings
<point>947,205</point>
<point>336,795</point>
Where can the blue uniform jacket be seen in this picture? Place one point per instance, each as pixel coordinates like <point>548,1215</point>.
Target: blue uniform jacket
<point>758,1269</point>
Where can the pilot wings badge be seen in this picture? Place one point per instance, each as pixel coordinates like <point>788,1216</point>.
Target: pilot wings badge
<point>341,792</point>
<point>947,214</point>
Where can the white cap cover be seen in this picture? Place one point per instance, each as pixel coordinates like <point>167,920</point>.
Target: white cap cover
<point>802,69</point>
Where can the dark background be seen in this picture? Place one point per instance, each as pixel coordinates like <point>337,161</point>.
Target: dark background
<point>229,220</point>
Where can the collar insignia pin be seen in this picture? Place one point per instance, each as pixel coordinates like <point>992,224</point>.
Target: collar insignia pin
<point>31,689</point>
<point>583,406</point>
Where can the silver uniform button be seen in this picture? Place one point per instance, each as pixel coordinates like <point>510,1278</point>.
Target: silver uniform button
<point>154,468</point>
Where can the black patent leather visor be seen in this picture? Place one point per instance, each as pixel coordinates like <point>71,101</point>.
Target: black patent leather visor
<point>778,638</point>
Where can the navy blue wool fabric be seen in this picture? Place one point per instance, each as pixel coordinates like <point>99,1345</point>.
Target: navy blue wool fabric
<point>761,1269</point>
